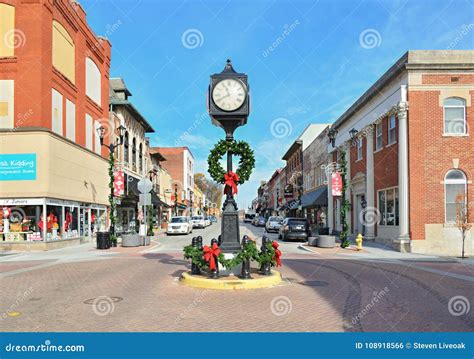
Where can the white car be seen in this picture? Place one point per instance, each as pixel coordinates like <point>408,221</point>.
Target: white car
<point>199,222</point>
<point>274,224</point>
<point>207,221</point>
<point>180,225</point>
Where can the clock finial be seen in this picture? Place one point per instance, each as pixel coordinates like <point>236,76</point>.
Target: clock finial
<point>228,67</point>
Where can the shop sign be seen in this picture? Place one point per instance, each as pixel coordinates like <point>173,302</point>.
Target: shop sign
<point>289,190</point>
<point>21,202</point>
<point>58,202</point>
<point>119,183</point>
<point>18,167</point>
<point>336,184</point>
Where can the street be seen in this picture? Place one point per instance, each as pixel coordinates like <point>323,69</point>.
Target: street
<point>138,289</point>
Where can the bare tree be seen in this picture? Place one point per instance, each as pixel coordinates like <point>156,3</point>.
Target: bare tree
<point>462,218</point>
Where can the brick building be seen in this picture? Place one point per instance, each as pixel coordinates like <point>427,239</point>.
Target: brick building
<point>410,154</point>
<point>180,164</point>
<point>54,92</point>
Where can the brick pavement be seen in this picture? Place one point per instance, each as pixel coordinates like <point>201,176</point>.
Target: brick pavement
<point>321,293</point>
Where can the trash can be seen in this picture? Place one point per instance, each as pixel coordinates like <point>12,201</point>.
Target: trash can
<point>103,240</point>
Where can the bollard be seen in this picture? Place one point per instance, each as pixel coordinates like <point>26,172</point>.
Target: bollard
<point>359,242</point>
<point>266,268</point>
<point>195,270</point>
<point>245,272</point>
<point>214,274</point>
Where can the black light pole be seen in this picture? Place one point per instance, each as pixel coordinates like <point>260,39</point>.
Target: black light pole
<point>175,199</point>
<point>112,146</point>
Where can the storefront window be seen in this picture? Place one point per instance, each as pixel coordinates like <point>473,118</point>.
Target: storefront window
<point>388,207</point>
<point>19,223</point>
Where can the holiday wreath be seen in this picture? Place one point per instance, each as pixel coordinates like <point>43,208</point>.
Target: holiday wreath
<point>246,162</point>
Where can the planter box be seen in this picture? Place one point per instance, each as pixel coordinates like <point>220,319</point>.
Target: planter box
<point>324,241</point>
<point>312,241</point>
<point>131,240</point>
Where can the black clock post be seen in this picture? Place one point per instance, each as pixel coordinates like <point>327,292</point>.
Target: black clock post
<point>229,107</point>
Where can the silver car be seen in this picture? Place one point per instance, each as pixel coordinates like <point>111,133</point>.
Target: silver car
<point>274,224</point>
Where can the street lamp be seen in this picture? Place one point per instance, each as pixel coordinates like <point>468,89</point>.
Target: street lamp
<point>353,134</point>
<point>112,146</point>
<point>332,133</point>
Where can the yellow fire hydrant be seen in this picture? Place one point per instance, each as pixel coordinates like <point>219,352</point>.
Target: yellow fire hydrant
<point>359,242</point>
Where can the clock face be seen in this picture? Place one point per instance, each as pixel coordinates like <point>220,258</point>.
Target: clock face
<point>229,94</point>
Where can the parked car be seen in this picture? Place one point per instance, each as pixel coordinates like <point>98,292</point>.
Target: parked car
<point>198,222</point>
<point>213,219</point>
<point>207,221</point>
<point>249,217</point>
<point>180,225</point>
<point>261,222</point>
<point>274,224</point>
<point>294,228</point>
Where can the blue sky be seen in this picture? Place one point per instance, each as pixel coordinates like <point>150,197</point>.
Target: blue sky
<point>307,61</point>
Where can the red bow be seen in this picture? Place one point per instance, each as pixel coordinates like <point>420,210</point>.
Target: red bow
<point>231,180</point>
<point>277,253</point>
<point>209,254</point>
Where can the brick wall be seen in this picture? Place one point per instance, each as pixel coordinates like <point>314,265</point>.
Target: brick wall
<point>431,156</point>
<point>33,72</point>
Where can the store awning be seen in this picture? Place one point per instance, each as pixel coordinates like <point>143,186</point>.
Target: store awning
<point>318,197</point>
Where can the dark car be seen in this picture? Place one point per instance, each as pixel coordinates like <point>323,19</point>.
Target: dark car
<point>294,228</point>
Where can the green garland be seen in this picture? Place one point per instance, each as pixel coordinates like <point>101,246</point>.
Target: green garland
<point>113,237</point>
<point>250,252</point>
<point>344,202</point>
<point>239,148</point>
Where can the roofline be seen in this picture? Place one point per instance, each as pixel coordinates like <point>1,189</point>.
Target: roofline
<point>373,90</point>
<point>292,149</point>
<point>129,106</point>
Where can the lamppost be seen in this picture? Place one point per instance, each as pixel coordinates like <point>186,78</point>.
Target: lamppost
<point>112,146</point>
<point>229,108</point>
<point>176,199</point>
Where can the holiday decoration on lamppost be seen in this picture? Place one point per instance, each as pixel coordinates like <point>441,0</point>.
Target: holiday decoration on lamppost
<point>229,107</point>
<point>175,199</point>
<point>101,131</point>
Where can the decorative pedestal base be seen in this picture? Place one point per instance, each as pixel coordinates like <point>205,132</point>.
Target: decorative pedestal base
<point>231,282</point>
<point>234,271</point>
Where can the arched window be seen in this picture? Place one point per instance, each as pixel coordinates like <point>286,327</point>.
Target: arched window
<point>454,116</point>
<point>125,148</point>
<point>455,185</point>
<point>93,85</point>
<point>134,154</point>
<point>63,52</point>
<point>140,158</point>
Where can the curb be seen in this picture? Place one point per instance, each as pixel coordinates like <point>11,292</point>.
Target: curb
<point>226,284</point>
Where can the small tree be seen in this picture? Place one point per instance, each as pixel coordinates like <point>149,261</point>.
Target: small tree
<point>462,218</point>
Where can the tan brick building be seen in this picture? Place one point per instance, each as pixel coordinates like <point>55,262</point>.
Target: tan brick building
<point>412,154</point>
